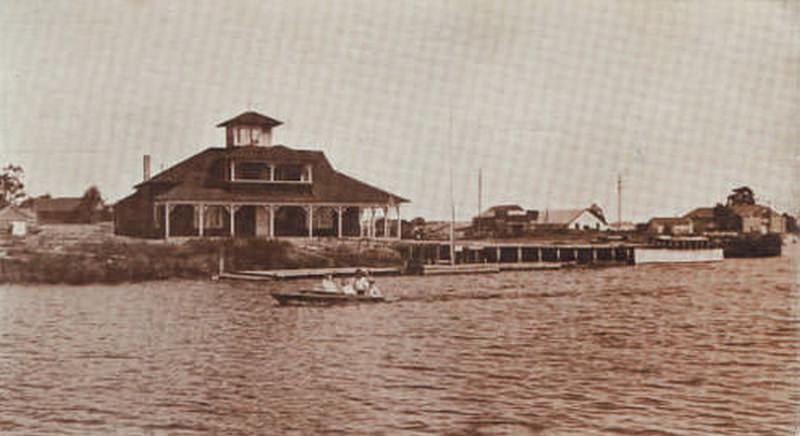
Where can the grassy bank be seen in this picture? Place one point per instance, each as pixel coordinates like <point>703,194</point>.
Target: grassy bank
<point>116,262</point>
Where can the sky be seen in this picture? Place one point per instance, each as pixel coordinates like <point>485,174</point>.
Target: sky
<point>550,100</point>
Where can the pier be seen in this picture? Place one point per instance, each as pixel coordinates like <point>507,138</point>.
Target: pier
<point>433,257</point>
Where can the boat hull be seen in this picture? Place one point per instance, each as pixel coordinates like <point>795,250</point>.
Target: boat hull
<point>642,255</point>
<point>322,299</point>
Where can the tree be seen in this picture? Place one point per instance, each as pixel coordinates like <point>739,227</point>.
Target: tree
<point>91,205</point>
<point>743,195</point>
<point>11,186</point>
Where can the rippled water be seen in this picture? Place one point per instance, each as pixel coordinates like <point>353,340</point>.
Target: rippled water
<point>693,349</point>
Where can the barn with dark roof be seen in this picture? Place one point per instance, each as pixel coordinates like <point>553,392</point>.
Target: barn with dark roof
<point>251,188</point>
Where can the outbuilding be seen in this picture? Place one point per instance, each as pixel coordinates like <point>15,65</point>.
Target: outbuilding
<point>15,221</point>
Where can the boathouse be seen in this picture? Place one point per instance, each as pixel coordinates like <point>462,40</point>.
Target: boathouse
<point>251,188</point>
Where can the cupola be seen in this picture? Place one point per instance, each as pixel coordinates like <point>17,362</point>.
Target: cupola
<point>249,129</point>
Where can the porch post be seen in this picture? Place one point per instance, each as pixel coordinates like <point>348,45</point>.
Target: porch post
<point>166,220</point>
<point>360,222</point>
<point>339,222</point>
<point>310,221</point>
<point>399,223</point>
<point>202,208</point>
<point>374,223</point>
<point>232,212</point>
<point>385,222</point>
<point>271,210</point>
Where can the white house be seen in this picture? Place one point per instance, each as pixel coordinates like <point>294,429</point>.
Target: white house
<point>572,219</point>
<point>15,221</point>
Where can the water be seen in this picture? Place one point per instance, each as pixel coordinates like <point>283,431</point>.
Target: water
<point>694,349</point>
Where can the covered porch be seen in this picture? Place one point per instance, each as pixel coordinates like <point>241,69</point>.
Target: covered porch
<point>275,220</point>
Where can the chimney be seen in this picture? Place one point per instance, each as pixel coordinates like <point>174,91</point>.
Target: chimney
<point>146,167</point>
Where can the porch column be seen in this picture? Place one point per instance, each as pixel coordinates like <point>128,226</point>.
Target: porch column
<point>310,221</point>
<point>167,207</point>
<point>519,254</point>
<point>271,210</point>
<point>339,222</point>
<point>201,220</point>
<point>360,222</point>
<point>232,212</point>
<point>399,223</point>
<point>373,233</point>
<point>385,221</point>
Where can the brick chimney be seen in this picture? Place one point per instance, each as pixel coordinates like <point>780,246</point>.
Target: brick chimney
<point>146,167</point>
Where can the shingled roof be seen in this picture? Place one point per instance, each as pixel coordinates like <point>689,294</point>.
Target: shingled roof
<point>201,178</point>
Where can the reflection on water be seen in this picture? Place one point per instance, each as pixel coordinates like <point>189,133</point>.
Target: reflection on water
<point>637,350</point>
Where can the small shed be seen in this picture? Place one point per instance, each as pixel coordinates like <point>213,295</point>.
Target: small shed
<point>15,221</point>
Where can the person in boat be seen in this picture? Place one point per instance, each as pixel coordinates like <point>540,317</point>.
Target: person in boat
<point>361,284</point>
<point>328,285</point>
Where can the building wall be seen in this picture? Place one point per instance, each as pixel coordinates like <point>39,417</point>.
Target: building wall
<point>587,220</point>
<point>133,215</point>
<point>760,224</point>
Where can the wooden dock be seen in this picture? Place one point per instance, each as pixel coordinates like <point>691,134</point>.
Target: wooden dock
<point>464,268</point>
<point>530,266</point>
<point>517,256</point>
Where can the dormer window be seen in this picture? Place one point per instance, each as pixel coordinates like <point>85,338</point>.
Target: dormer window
<point>264,172</point>
<point>292,173</point>
<point>256,171</point>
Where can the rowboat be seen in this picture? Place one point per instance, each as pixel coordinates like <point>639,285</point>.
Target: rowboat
<point>322,298</point>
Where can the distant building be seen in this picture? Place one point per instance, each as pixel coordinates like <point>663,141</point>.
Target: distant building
<point>510,220</point>
<point>670,226</point>
<point>59,210</point>
<point>756,218</point>
<point>624,226</point>
<point>503,221</point>
<point>15,221</point>
<point>742,218</point>
<point>251,188</point>
<point>590,218</point>
<point>703,220</point>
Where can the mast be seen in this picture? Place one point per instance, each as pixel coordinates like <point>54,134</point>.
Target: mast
<point>619,201</point>
<point>480,198</point>
<point>452,201</point>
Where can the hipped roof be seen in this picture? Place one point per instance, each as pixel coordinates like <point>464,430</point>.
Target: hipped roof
<point>251,118</point>
<point>194,180</point>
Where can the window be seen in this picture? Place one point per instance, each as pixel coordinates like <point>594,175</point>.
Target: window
<point>258,171</point>
<point>292,173</point>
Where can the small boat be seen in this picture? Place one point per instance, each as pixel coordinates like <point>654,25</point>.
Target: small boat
<point>322,298</point>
